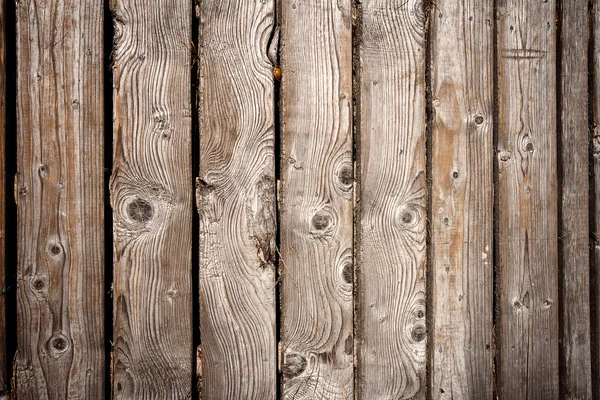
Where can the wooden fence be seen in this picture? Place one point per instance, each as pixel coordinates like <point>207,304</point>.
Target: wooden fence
<point>300,199</point>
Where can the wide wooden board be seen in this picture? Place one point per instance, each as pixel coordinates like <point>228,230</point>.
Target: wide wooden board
<point>392,253</point>
<point>527,241</point>
<point>151,196</point>
<point>59,194</point>
<point>462,200</point>
<point>236,201</point>
<point>316,264</point>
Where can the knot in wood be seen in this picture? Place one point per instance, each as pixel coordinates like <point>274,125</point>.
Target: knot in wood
<point>345,175</point>
<point>38,284</point>
<point>348,272</point>
<point>321,221</point>
<point>55,249</point>
<point>58,345</point>
<point>479,120</point>
<point>418,333</point>
<point>293,365</point>
<point>140,210</point>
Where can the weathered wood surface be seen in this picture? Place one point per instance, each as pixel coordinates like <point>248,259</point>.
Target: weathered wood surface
<point>595,145</point>
<point>316,200</point>
<point>462,200</point>
<point>575,351</point>
<point>151,196</point>
<point>236,201</point>
<point>59,194</point>
<point>527,201</point>
<point>393,195</point>
<point>3,287</point>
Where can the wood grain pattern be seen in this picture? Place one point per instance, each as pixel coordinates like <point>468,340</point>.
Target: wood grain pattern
<point>59,194</point>
<point>391,226</point>
<point>151,195</point>
<point>575,351</point>
<point>462,200</point>
<point>595,145</point>
<point>316,200</point>
<point>527,200</point>
<point>3,289</point>
<point>236,198</point>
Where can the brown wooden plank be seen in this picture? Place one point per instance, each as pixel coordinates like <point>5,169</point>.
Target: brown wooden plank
<point>236,198</point>
<point>391,226</point>
<point>575,351</point>
<point>527,200</point>
<point>462,200</point>
<point>59,194</point>
<point>316,200</point>
<point>151,195</point>
<point>596,166</point>
<point>3,289</point>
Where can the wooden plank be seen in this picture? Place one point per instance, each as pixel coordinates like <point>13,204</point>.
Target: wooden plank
<point>236,198</point>
<point>316,200</point>
<point>393,194</point>
<point>595,205</point>
<point>3,289</point>
<point>575,351</point>
<point>151,195</point>
<point>527,200</point>
<point>59,194</point>
<point>462,200</point>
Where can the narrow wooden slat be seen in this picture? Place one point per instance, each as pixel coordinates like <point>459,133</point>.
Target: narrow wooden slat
<point>59,194</point>
<point>574,226</point>
<point>3,288</point>
<point>595,202</point>
<point>527,200</point>
<point>393,194</point>
<point>462,199</point>
<point>316,200</point>
<point>151,196</point>
<point>236,200</point>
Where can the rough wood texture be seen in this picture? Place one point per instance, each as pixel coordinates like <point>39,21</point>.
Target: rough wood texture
<point>596,166</point>
<point>575,352</point>
<point>236,199</point>
<point>3,288</point>
<point>393,194</point>
<point>462,200</point>
<point>151,195</point>
<point>527,200</point>
<point>59,194</point>
<point>316,200</point>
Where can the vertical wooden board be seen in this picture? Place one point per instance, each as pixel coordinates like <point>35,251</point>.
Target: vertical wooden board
<point>393,194</point>
<point>236,199</point>
<point>3,289</point>
<point>151,195</point>
<point>462,199</point>
<point>59,194</point>
<point>316,200</point>
<point>527,200</point>
<point>595,145</point>
<point>575,348</point>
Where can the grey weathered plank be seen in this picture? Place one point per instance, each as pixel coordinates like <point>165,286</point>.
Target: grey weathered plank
<point>596,166</point>
<point>59,194</point>
<point>462,200</point>
<point>236,199</point>
<point>3,289</point>
<point>391,224</point>
<point>574,225</point>
<point>527,200</point>
<point>316,200</point>
<point>151,195</point>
